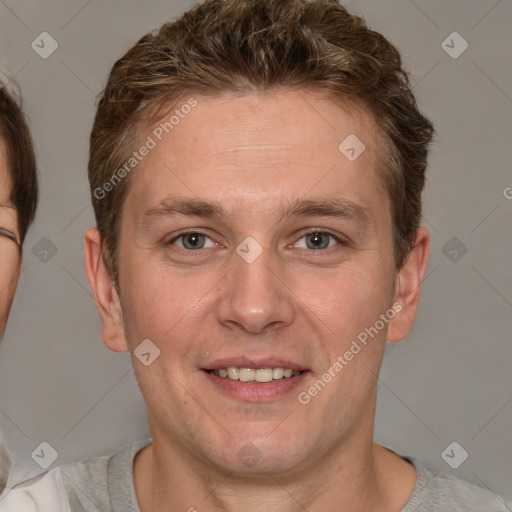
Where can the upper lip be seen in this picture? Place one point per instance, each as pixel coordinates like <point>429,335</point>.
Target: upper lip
<point>254,362</point>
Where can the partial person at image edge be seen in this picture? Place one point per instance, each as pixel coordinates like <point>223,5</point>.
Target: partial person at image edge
<point>18,203</point>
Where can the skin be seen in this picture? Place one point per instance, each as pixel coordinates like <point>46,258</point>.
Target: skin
<point>255,155</point>
<point>10,261</point>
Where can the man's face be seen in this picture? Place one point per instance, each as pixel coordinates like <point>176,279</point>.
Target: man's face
<point>199,289</point>
<point>9,254</point>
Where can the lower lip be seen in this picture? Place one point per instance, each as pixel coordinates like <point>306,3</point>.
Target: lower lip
<point>256,391</point>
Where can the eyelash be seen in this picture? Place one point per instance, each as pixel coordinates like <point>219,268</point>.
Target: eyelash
<point>308,233</point>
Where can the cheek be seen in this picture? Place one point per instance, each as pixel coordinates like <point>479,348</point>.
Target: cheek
<point>9,275</point>
<point>347,300</point>
<point>161,304</point>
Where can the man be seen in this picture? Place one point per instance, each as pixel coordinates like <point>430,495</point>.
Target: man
<point>18,201</point>
<point>256,170</point>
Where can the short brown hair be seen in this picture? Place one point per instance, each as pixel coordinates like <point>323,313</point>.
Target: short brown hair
<point>21,160</point>
<point>244,46</point>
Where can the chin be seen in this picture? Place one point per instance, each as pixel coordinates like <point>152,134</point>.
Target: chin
<point>260,456</point>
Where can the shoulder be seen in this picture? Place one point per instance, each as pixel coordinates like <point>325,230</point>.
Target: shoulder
<point>437,491</point>
<point>5,464</point>
<point>97,483</point>
<point>46,492</point>
<point>103,483</point>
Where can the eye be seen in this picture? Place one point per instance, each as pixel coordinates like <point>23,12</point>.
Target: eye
<point>8,234</point>
<point>192,240</point>
<point>318,240</point>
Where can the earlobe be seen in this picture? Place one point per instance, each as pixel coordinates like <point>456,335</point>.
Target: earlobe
<point>105,293</point>
<point>408,287</point>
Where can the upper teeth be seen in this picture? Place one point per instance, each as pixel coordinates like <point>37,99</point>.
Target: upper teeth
<point>254,374</point>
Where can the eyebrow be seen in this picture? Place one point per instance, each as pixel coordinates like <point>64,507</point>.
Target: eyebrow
<point>332,207</point>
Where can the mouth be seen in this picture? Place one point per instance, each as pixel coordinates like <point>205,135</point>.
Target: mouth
<point>261,375</point>
<point>254,381</point>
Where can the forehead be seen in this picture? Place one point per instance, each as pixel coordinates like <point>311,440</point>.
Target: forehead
<point>283,143</point>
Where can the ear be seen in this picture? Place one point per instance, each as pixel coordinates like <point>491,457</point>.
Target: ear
<point>105,294</point>
<point>408,287</point>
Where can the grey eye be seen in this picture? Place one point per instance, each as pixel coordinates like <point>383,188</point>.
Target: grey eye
<point>317,241</point>
<point>193,240</point>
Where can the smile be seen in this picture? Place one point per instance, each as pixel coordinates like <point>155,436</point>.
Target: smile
<point>254,374</point>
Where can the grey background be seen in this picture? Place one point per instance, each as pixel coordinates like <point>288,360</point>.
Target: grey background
<point>449,381</point>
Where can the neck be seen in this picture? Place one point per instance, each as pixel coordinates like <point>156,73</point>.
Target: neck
<point>357,478</point>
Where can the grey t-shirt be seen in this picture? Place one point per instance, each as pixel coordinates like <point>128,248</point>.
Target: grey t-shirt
<point>105,484</point>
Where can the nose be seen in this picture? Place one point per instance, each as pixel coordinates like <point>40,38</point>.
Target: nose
<point>255,296</point>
